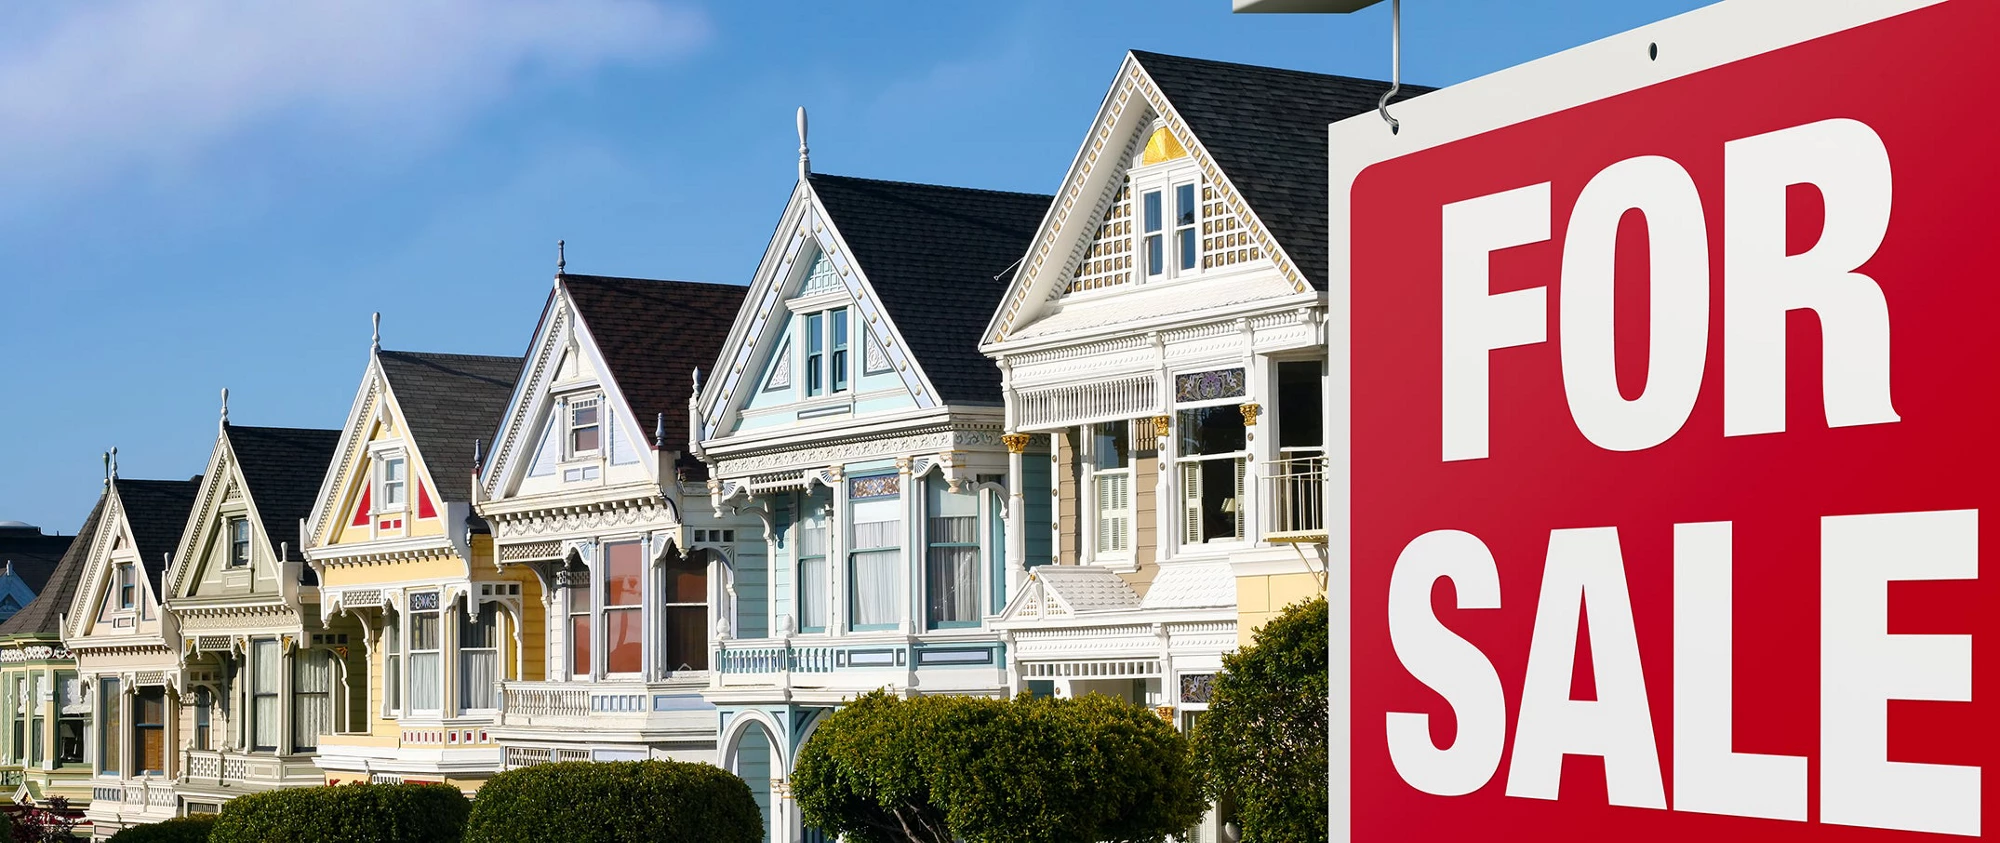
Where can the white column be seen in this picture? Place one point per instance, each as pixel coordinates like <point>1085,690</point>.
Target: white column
<point>836,557</point>
<point>909,500</point>
<point>1017,515</point>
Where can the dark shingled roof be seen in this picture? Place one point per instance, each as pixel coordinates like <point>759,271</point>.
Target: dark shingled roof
<point>283,467</point>
<point>1266,129</point>
<point>43,615</point>
<point>939,259</point>
<point>449,400</point>
<point>653,335</point>
<point>33,555</point>
<point>157,512</point>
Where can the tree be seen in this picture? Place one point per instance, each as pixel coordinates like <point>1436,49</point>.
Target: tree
<point>943,768</point>
<point>1262,741</point>
<point>51,824</point>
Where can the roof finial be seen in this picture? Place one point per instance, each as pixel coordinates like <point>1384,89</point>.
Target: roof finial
<point>114,462</point>
<point>225,406</point>
<point>478,456</point>
<point>375,341</point>
<point>561,260</point>
<point>805,157</point>
<point>107,469</point>
<point>660,431</point>
<point>697,380</point>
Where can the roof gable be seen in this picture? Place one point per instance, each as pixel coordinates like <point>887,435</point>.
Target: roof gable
<point>43,615</point>
<point>1258,134</point>
<point>447,401</point>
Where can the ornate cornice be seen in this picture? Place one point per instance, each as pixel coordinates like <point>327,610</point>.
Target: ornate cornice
<point>933,441</point>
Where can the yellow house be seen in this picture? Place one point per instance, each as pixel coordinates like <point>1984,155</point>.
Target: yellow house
<point>397,548</point>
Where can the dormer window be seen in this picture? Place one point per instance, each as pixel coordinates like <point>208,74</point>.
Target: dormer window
<point>239,542</point>
<point>1168,241</point>
<point>826,352</point>
<point>586,430</point>
<point>127,587</point>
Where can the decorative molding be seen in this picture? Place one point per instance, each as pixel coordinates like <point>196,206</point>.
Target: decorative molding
<point>581,519</point>
<point>1163,426</point>
<point>1250,412</point>
<point>930,441</point>
<point>1016,442</point>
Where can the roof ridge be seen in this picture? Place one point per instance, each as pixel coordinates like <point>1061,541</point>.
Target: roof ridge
<point>454,356</point>
<point>572,276</point>
<point>1143,54</point>
<point>258,427</point>
<point>951,187</point>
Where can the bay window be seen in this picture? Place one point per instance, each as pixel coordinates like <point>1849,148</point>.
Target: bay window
<point>624,585</point>
<point>426,693</point>
<point>684,612</point>
<point>812,562</point>
<point>149,735</point>
<point>479,657</point>
<point>1212,455</point>
<point>875,551</point>
<point>265,662</point>
<point>952,566</point>
<point>312,698</point>
<point>1110,473</point>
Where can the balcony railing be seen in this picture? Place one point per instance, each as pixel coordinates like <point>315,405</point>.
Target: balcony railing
<point>602,704</point>
<point>1296,487</point>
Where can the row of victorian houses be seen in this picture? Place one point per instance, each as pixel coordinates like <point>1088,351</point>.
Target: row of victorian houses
<point>946,440</point>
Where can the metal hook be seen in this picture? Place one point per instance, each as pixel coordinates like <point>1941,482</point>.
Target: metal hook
<point>1396,64</point>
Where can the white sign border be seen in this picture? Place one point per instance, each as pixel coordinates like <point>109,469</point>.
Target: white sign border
<point>1705,38</point>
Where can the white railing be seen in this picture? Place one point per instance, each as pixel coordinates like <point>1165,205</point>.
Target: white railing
<point>1094,401</point>
<point>1295,486</point>
<point>545,699</point>
<point>579,704</point>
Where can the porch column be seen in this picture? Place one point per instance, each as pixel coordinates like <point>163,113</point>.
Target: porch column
<point>912,564</point>
<point>1167,502</point>
<point>170,738</point>
<point>1017,515</point>
<point>836,556</point>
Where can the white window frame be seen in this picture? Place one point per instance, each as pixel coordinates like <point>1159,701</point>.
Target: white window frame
<point>379,500</point>
<point>1093,480</point>
<point>1165,178</point>
<point>127,582</point>
<point>410,652</point>
<point>569,407</point>
<point>1245,533</point>
<point>229,527</point>
<point>822,361</point>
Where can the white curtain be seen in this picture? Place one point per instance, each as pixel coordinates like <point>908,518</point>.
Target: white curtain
<point>875,587</point>
<point>812,593</point>
<point>312,698</point>
<point>479,659</point>
<point>264,711</point>
<point>425,691</point>
<point>953,569</point>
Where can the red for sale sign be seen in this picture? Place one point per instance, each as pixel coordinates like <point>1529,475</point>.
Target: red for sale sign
<point>1673,401</point>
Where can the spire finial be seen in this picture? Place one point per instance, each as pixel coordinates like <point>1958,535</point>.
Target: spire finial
<point>107,469</point>
<point>225,406</point>
<point>114,462</point>
<point>805,157</point>
<point>478,457</point>
<point>375,340</point>
<point>561,260</point>
<point>660,431</point>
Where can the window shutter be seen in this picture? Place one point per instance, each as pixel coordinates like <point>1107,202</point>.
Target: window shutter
<point>1191,502</point>
<point>1242,509</point>
<point>1114,519</point>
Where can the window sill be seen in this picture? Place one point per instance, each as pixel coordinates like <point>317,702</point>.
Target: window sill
<point>1117,566</point>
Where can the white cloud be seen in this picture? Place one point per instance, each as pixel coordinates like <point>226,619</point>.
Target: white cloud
<point>92,91</point>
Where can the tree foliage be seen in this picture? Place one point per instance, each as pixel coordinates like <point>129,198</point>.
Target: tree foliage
<point>941,768</point>
<point>1262,742</point>
<point>51,822</point>
<point>616,802</point>
<point>193,828</point>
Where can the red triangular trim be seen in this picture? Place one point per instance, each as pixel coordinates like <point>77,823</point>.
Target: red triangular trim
<point>361,511</point>
<point>424,507</point>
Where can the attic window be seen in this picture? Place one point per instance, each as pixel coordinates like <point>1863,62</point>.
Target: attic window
<point>585,429</point>
<point>392,475</point>
<point>239,542</point>
<point>126,586</point>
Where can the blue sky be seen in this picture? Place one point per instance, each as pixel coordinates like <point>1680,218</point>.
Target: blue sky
<point>205,193</point>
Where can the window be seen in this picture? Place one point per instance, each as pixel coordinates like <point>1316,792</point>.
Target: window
<point>69,740</point>
<point>312,698</point>
<point>36,721</point>
<point>204,714</point>
<point>952,571</point>
<point>812,562</point>
<point>1111,486</point>
<point>1212,452</point>
<point>392,665</point>
<point>425,693</point>
<point>149,730</point>
<point>826,352</point>
<point>394,478</point>
<point>1184,236</point>
<point>684,612</point>
<point>1156,242</point>
<point>126,586</point>
<point>265,714</point>
<point>624,583</point>
<point>479,657</point>
<point>585,429</point>
<point>578,595</point>
<point>108,749</point>
<point>875,551</point>
<point>239,542</point>
<point>17,716</point>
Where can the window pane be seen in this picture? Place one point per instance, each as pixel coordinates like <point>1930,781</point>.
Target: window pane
<point>480,631</point>
<point>392,682</point>
<point>583,440</point>
<point>479,674</point>
<point>312,698</point>
<point>1299,397</point>
<point>954,580</point>
<point>1211,430</point>
<point>687,637</point>
<point>69,741</point>
<point>1185,248</point>
<point>838,318</point>
<point>583,413</point>
<point>687,580</point>
<point>423,631</point>
<point>812,593</point>
<point>578,596</point>
<point>1152,211</point>
<point>875,588</point>
<point>579,645</point>
<point>1156,254</point>
<point>264,666</point>
<point>424,686</point>
<point>1110,446</point>
<point>1184,204</point>
<point>624,574</point>
<point>622,633</point>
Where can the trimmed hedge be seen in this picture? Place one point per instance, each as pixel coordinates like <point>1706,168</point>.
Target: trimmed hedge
<point>349,813</point>
<point>615,802</point>
<point>193,828</point>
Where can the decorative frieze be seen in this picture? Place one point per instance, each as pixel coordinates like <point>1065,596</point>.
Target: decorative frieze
<point>579,520</point>
<point>937,440</point>
<point>36,653</point>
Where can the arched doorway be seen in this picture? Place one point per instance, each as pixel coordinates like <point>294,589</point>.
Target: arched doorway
<point>754,757</point>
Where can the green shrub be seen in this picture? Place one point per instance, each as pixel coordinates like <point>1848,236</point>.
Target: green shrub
<point>193,828</point>
<point>947,768</point>
<point>1262,741</point>
<point>350,813</point>
<point>615,802</point>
